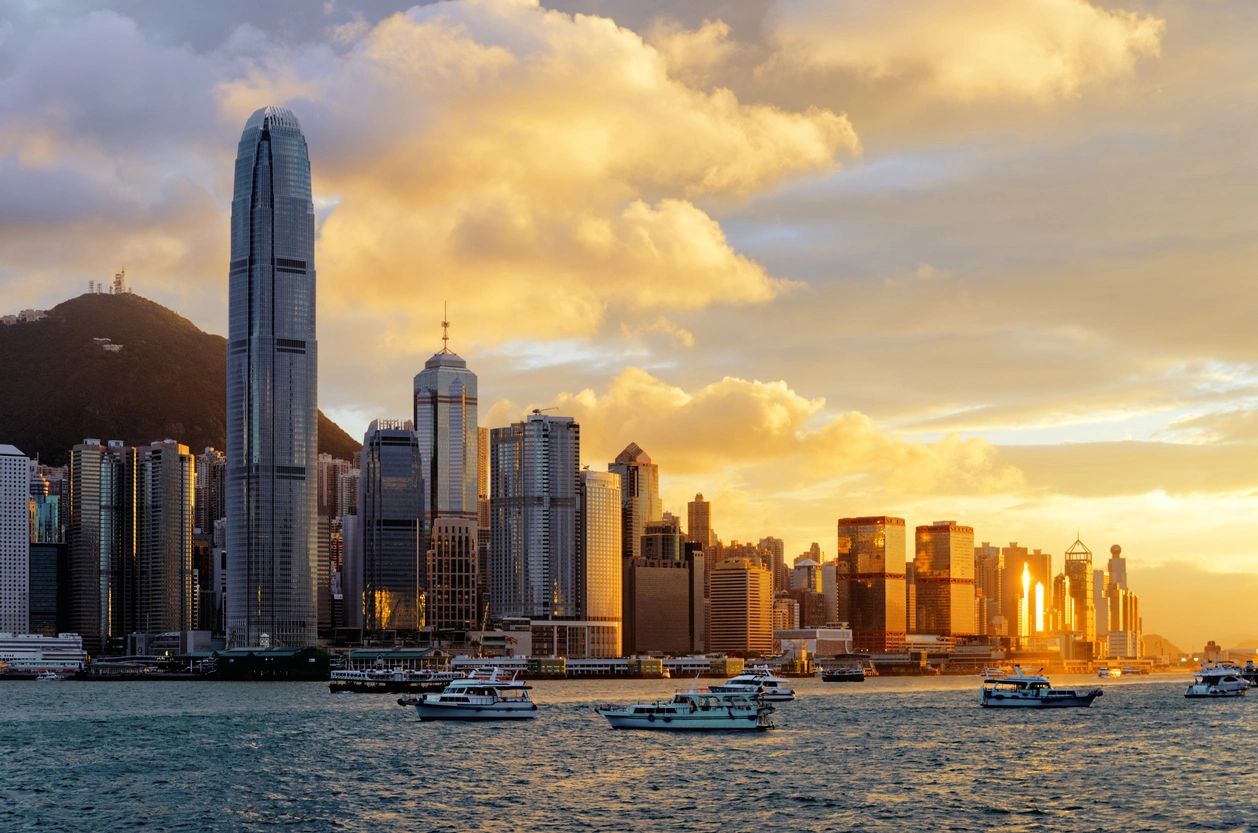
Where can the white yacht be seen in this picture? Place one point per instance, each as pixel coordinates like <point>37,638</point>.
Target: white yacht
<point>48,676</point>
<point>477,697</point>
<point>757,682</point>
<point>1217,681</point>
<point>693,710</point>
<point>1018,690</point>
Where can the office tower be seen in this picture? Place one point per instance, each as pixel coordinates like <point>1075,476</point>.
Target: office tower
<point>15,496</point>
<point>101,532</point>
<point>445,420</point>
<point>805,575</point>
<point>1078,570</point>
<point>1117,567</point>
<point>989,568</point>
<point>944,579</point>
<point>272,359</point>
<point>482,519</point>
<point>1026,588</point>
<point>451,575</point>
<point>699,522</point>
<point>639,496</point>
<point>165,515</point>
<point>910,597</point>
<point>664,611</point>
<point>390,524</point>
<point>742,608</point>
<point>333,501</point>
<point>773,555</point>
<point>323,573</point>
<point>869,579</point>
<point>352,571</point>
<point>662,541</point>
<point>47,563</point>
<point>599,562</point>
<point>786,614</point>
<point>211,489</point>
<point>1100,603</point>
<point>535,470</point>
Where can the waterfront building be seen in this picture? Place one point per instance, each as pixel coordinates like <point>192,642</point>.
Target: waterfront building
<point>1081,619</point>
<point>699,522</point>
<point>15,535</point>
<point>165,515</point>
<point>870,581</point>
<point>741,608</point>
<point>599,562</point>
<point>664,609</point>
<point>445,420</point>
<point>534,475</point>
<point>452,575</point>
<point>943,577</point>
<point>391,527</point>
<point>272,363</point>
<point>33,653</point>
<point>639,496</point>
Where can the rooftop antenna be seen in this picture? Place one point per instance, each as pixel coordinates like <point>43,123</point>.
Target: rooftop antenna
<point>445,326</point>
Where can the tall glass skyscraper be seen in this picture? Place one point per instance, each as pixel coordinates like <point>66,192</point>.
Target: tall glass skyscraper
<point>271,389</point>
<point>445,420</point>
<point>390,523</point>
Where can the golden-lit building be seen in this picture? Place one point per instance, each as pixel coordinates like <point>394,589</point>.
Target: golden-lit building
<point>699,522</point>
<point>741,608</point>
<point>452,575</point>
<point>599,562</point>
<point>944,579</point>
<point>1081,617</point>
<point>869,581</point>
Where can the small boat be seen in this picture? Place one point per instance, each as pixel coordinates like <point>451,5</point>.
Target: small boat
<point>693,710</point>
<point>758,682</point>
<point>48,676</point>
<point>1020,690</point>
<point>843,674</point>
<point>1109,672</point>
<point>478,696</point>
<point>1217,681</point>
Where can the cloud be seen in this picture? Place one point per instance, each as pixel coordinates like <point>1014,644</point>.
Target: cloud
<point>968,50</point>
<point>692,54</point>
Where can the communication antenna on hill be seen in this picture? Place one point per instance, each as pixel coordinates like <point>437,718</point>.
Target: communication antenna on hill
<point>120,282</point>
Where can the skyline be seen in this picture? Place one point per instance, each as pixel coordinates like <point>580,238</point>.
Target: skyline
<point>725,344</point>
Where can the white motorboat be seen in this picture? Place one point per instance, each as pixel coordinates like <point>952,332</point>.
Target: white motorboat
<point>48,676</point>
<point>477,697</point>
<point>1105,671</point>
<point>757,682</point>
<point>693,710</point>
<point>1020,690</point>
<point>1217,681</point>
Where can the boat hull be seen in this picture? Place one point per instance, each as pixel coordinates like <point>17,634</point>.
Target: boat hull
<point>685,723</point>
<point>429,711</point>
<point>998,701</point>
<point>1213,695</point>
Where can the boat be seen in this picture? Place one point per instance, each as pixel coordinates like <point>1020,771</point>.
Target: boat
<point>478,696</point>
<point>1018,690</point>
<point>1217,681</point>
<point>391,681</point>
<point>1106,671</point>
<point>843,674</point>
<point>48,676</point>
<point>994,672</point>
<point>693,710</point>
<point>758,682</point>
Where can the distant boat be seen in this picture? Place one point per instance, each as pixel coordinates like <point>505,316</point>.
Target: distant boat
<point>693,710</point>
<point>1106,671</point>
<point>48,676</point>
<point>1020,690</point>
<point>843,674</point>
<point>1217,681</point>
<point>758,682</point>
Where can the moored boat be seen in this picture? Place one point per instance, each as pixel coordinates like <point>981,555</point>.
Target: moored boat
<point>1217,681</point>
<point>693,710</point>
<point>1020,690</point>
<point>48,676</point>
<point>477,697</point>
<point>843,674</point>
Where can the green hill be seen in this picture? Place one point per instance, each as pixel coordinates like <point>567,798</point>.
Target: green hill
<point>58,384</point>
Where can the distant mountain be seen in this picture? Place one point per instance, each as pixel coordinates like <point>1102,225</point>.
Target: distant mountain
<point>1158,646</point>
<point>60,380</point>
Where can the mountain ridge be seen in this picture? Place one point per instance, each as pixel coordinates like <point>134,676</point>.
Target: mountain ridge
<point>60,381</point>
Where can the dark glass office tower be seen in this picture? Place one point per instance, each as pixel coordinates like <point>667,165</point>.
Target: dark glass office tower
<point>271,389</point>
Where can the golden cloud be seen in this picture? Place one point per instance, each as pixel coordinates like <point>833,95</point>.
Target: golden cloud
<point>968,50</point>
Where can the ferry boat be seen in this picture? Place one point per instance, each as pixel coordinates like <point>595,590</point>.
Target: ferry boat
<point>758,682</point>
<point>1217,681</point>
<point>693,710</point>
<point>1020,690</point>
<point>477,697</point>
<point>391,680</point>
<point>843,674</point>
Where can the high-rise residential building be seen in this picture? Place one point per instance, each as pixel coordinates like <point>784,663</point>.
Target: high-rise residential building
<point>101,565</point>
<point>165,514</point>
<point>742,608</point>
<point>1124,632</point>
<point>211,489</point>
<point>773,553</point>
<point>445,420</point>
<point>333,501</point>
<point>664,611</point>
<point>390,524</point>
<point>347,483</point>
<point>272,393</point>
<point>599,562</point>
<point>535,470</point>
<point>15,494</point>
<point>639,496</point>
<point>452,574</point>
<point>944,579</point>
<point>699,522</point>
<point>1081,620</point>
<point>869,581</point>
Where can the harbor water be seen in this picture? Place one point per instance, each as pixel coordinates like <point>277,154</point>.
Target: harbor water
<point>886,754</point>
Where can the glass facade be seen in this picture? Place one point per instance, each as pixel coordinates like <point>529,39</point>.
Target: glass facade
<point>869,581</point>
<point>639,496</point>
<point>15,486</point>
<point>271,389</point>
<point>391,487</point>
<point>944,580</point>
<point>600,563</point>
<point>166,485</point>
<point>445,420</point>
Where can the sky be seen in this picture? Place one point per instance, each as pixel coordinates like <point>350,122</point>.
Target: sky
<point>939,259</point>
